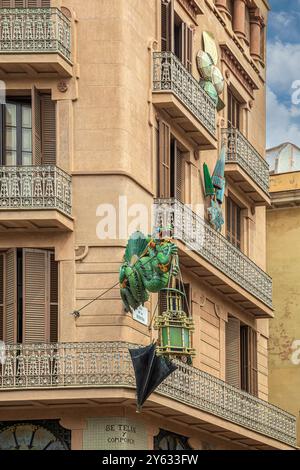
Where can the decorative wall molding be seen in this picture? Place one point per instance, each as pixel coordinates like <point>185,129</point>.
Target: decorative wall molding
<point>238,70</point>
<point>192,7</point>
<point>81,252</point>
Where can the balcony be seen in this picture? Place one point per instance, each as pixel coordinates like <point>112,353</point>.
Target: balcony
<point>246,168</point>
<point>35,42</point>
<point>34,198</point>
<point>180,96</point>
<point>215,260</point>
<point>50,369</point>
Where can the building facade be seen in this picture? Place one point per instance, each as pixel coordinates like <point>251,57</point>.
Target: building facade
<point>105,118</point>
<point>282,258</point>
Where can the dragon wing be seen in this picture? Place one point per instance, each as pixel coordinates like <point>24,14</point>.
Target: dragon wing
<point>136,245</point>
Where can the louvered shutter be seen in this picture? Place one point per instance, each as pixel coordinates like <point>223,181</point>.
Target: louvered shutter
<point>164,160</point>
<point>188,294</point>
<point>2,296</point>
<point>10,297</point>
<point>25,3</point>
<point>233,365</point>
<point>178,173</point>
<point>245,369</point>
<point>189,49</point>
<point>36,126</point>
<point>48,130</point>
<point>167,25</point>
<point>253,362</point>
<point>35,296</point>
<point>53,299</point>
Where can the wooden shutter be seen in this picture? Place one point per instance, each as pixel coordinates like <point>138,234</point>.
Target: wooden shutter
<point>36,284</point>
<point>249,360</point>
<point>48,128</point>
<point>188,294</point>
<point>233,365</point>
<point>164,160</point>
<point>2,296</point>
<point>10,297</point>
<point>187,46</point>
<point>36,126</point>
<point>167,25</point>
<point>53,299</point>
<point>178,173</point>
<point>25,3</point>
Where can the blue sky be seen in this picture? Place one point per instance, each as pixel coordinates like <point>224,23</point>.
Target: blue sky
<point>283,116</point>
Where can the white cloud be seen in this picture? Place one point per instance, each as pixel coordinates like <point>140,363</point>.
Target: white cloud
<point>281,126</point>
<point>283,65</point>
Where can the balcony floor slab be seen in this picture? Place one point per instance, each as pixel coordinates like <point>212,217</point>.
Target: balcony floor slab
<point>34,220</point>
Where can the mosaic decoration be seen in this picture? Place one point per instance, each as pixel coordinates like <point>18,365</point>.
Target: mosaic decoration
<point>146,268</point>
<point>214,187</point>
<point>212,80</point>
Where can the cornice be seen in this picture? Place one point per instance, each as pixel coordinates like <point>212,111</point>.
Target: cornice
<point>192,7</point>
<point>237,69</point>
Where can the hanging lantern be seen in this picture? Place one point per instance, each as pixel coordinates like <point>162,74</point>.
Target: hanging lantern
<point>175,327</point>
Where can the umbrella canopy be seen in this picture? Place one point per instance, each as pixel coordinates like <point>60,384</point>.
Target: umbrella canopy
<point>204,64</point>
<point>209,88</point>
<point>210,46</point>
<point>150,371</point>
<point>217,79</point>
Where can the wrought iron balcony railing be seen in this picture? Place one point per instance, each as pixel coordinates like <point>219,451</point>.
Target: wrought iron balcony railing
<point>202,238</point>
<point>49,366</point>
<point>35,30</point>
<point>170,75</point>
<point>242,152</point>
<point>35,187</point>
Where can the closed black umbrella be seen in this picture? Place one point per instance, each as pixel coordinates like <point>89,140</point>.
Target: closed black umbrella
<point>150,371</point>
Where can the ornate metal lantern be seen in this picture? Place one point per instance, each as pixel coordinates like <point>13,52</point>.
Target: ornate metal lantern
<point>175,327</point>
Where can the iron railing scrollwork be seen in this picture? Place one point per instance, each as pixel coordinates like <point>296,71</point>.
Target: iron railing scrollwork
<point>201,237</point>
<point>170,75</point>
<point>35,187</point>
<point>108,364</point>
<point>35,30</point>
<point>242,152</point>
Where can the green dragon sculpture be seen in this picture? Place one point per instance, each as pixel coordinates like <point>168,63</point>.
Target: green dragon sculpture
<point>146,267</point>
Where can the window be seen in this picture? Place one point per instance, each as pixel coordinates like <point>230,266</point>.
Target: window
<point>169,441</point>
<point>17,133</point>
<point>233,218</point>
<point>28,296</point>
<point>25,3</point>
<point>241,356</point>
<point>176,36</point>
<point>233,111</point>
<point>28,127</point>
<point>170,165</point>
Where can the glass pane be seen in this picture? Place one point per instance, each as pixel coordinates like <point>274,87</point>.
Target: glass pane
<point>26,158</point>
<point>11,114</point>
<point>11,138</point>
<point>26,116</point>
<point>26,140</point>
<point>11,158</point>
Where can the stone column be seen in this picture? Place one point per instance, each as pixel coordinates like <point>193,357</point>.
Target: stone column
<point>222,4</point>
<point>239,15</point>
<point>256,24</point>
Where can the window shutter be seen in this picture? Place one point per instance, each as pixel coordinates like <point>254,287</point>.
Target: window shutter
<point>36,126</point>
<point>179,173</point>
<point>53,299</point>
<point>35,296</point>
<point>10,290</point>
<point>189,49</point>
<point>48,110</point>
<point>253,362</point>
<point>1,296</point>
<point>233,352</point>
<point>245,369</point>
<point>167,22</point>
<point>24,3</point>
<point>188,294</point>
<point>164,160</point>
